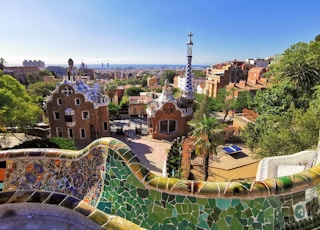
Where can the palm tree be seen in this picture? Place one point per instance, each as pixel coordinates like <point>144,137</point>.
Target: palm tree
<point>208,134</point>
<point>303,75</point>
<point>111,89</point>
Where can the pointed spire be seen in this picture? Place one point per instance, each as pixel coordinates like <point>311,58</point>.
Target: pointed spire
<point>188,79</point>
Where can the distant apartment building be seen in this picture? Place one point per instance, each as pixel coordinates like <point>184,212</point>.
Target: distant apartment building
<point>217,78</point>
<point>255,81</point>
<point>20,72</point>
<point>58,71</point>
<point>78,111</point>
<point>35,63</point>
<point>85,71</point>
<point>138,104</point>
<point>153,83</point>
<point>259,62</point>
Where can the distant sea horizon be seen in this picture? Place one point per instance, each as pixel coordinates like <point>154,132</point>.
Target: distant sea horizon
<point>134,66</point>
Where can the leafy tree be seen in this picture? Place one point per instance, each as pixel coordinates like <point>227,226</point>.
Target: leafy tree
<point>167,75</point>
<point>64,143</point>
<point>124,103</point>
<point>113,110</point>
<point>44,72</point>
<point>273,135</point>
<point>208,134</point>
<point>200,108</point>
<point>276,100</point>
<point>317,38</point>
<point>56,142</point>
<point>242,101</point>
<point>133,91</point>
<point>33,78</point>
<point>198,73</point>
<point>289,111</point>
<point>300,65</point>
<point>41,89</point>
<point>111,89</point>
<point>17,106</point>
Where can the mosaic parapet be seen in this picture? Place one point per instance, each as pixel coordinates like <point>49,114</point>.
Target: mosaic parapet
<point>72,179</point>
<point>108,176</point>
<point>102,219</point>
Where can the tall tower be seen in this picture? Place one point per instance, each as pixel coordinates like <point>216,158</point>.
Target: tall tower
<point>187,95</point>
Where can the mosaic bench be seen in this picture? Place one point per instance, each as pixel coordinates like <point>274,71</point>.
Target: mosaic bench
<point>107,184</point>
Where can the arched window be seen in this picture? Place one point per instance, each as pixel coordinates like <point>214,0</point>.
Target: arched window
<point>105,126</point>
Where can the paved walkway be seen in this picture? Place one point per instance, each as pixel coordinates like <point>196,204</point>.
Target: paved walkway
<point>152,153</point>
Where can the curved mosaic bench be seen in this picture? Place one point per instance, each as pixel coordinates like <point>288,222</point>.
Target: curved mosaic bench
<point>108,176</point>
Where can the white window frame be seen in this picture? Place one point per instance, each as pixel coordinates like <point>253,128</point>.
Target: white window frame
<point>55,115</point>
<point>76,100</point>
<point>85,118</point>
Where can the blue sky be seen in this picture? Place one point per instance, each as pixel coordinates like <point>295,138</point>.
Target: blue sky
<point>152,32</point>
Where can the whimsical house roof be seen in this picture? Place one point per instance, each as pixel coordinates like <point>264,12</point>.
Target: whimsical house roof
<point>91,94</point>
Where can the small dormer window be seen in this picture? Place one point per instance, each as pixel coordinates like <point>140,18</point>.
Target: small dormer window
<point>77,101</point>
<point>67,90</point>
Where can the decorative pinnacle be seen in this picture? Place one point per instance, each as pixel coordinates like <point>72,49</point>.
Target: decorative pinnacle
<point>190,42</point>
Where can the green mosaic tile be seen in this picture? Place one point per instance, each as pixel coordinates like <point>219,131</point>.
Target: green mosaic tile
<point>155,195</point>
<point>250,220</point>
<point>228,219</point>
<point>221,223</point>
<point>180,199</point>
<point>223,214</point>
<point>216,214</point>
<point>203,224</point>
<point>235,202</point>
<point>192,199</point>
<point>223,203</point>
<point>260,217</point>
<point>167,226</point>
<point>244,222</point>
<point>269,227</point>
<point>154,227</point>
<point>239,207</point>
<point>201,201</point>
<point>246,213</point>
<point>182,225</point>
<point>235,224</point>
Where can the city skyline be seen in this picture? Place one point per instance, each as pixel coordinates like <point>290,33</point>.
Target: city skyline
<point>147,32</point>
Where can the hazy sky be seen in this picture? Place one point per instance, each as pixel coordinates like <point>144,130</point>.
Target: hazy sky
<point>152,32</point>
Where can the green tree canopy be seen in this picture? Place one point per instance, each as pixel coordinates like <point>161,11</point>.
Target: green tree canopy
<point>41,88</point>
<point>16,105</point>
<point>198,73</point>
<point>168,75</point>
<point>113,110</point>
<point>133,91</point>
<point>289,111</point>
<point>300,65</point>
<point>273,135</point>
<point>111,89</point>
